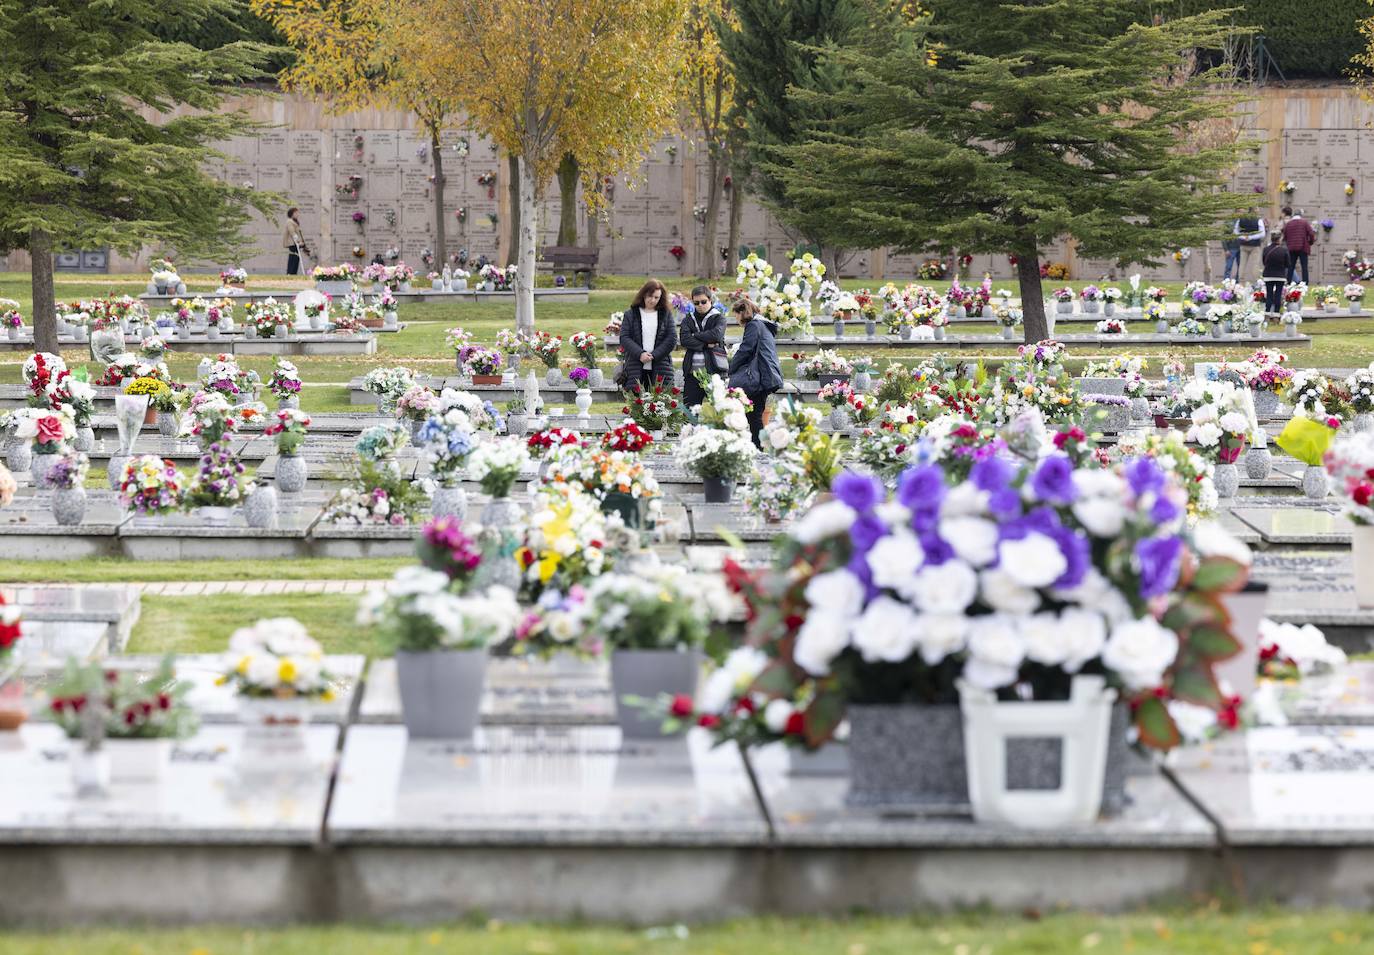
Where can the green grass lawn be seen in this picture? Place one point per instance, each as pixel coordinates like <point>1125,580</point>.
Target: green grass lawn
<point>1203,933</point>
<point>95,570</point>
<point>203,624</point>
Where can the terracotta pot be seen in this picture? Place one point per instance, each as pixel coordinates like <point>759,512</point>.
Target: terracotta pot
<point>486,379</point>
<point>373,322</point>
<point>150,416</point>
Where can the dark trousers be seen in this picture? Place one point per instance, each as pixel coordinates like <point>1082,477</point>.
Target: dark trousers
<point>1232,262</point>
<point>692,390</point>
<point>1299,258</point>
<point>1273,295</point>
<point>293,260</point>
<point>755,415</point>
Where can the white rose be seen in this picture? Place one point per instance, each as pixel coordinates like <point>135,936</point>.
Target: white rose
<point>819,641</point>
<point>1033,561</point>
<point>1083,633</point>
<point>948,588</point>
<point>886,632</point>
<point>736,421</point>
<point>1045,640</point>
<point>776,714</point>
<point>895,559</point>
<point>973,538</point>
<point>837,592</point>
<point>1101,516</point>
<point>1208,435</point>
<point>996,651</point>
<point>1003,594</point>
<point>822,521</point>
<point>1140,651</point>
<point>939,635</point>
<point>1235,422</point>
<point>964,499</point>
<point>717,692</point>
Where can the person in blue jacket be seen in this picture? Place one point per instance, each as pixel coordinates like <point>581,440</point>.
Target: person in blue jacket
<point>754,368</point>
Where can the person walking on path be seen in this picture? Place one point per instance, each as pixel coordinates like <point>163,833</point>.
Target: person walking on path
<point>703,336</point>
<point>1278,268</point>
<point>1249,231</point>
<point>754,368</point>
<point>1298,235</point>
<point>648,337</point>
<point>294,241</point>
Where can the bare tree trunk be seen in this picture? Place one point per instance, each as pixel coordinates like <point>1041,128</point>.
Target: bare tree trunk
<point>568,171</point>
<point>715,175</point>
<point>1037,327</point>
<point>1207,262</point>
<point>529,226</point>
<point>44,305</point>
<point>514,196</point>
<point>437,153</point>
<point>736,212</point>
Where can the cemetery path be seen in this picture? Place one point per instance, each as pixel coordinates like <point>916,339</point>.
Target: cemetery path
<point>249,588</point>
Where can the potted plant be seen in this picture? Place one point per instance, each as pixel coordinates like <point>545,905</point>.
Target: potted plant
<point>1111,296</point>
<point>545,347</point>
<point>277,672</point>
<point>218,485</point>
<point>1110,326</point>
<point>496,465</point>
<point>903,649</point>
<point>1354,294</point>
<point>824,366</point>
<point>484,365</point>
<point>416,405</point>
<point>150,487</point>
<point>657,409</point>
<point>837,395</point>
<point>285,384</point>
<point>718,456</point>
<point>49,433</point>
<point>388,385</point>
<point>67,478</point>
<point>1063,299</point>
<point>153,389</point>
<point>440,639</point>
<point>1220,428</point>
<point>517,421</point>
<point>13,323</point>
<point>289,428</point>
<point>586,346</point>
<point>131,718</point>
<point>1308,439</point>
<point>1091,296</point>
<point>654,642</point>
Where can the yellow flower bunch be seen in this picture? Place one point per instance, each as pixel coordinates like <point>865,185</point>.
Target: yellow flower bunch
<point>146,386</point>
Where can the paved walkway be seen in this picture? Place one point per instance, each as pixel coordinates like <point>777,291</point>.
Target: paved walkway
<point>249,588</point>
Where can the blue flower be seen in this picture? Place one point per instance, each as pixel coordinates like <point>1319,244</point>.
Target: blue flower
<point>862,492</point>
<point>921,487</point>
<point>865,532</point>
<point>1144,475</point>
<point>991,474</point>
<point>1159,559</point>
<point>1053,480</point>
<point>1163,511</point>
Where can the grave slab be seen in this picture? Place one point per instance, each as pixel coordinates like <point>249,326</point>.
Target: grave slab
<point>117,607</point>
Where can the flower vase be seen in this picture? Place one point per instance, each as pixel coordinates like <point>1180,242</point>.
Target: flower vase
<point>718,490</point>
<point>838,326</point>
<point>516,424</point>
<point>583,401</point>
<point>1226,479</point>
<point>274,733</point>
<point>14,334</point>
<point>260,507</point>
<point>553,376</point>
<point>500,512</point>
<point>40,466</point>
<point>1362,422</point>
<point>167,424</point>
<point>449,502</point>
<point>138,760</point>
<point>215,516</point>
<point>19,455</point>
<point>907,756</point>
<point>69,505</point>
<point>183,333</point>
<point>1081,724</point>
<point>1140,408</point>
<point>1290,330</point>
<point>839,419</point>
<point>596,378</point>
<point>1259,462</point>
<point>90,770</point>
<point>1064,308</point>
<point>291,473</point>
<point>1266,403</point>
<point>281,331</point>
<point>1354,308</point>
<point>389,321</point>
<point>291,402</point>
<point>1162,327</point>
<point>1362,556</point>
<point>441,692</point>
<point>115,470</point>
<point>907,332</point>
<point>1108,310</point>
<point>647,674</point>
<point>212,333</point>
<point>1316,483</point>
<point>1217,329</point>
<point>870,329</point>
<point>863,381</point>
<point>1009,332</point>
<point>85,439</point>
<point>939,332</point>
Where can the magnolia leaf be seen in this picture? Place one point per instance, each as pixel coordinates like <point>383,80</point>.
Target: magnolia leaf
<point>822,717</point>
<point>776,680</point>
<point>1156,726</point>
<point>1213,641</point>
<point>1195,684</point>
<point>1220,574</point>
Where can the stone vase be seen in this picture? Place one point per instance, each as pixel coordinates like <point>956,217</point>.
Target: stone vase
<point>1226,478</point>
<point>69,505</point>
<point>908,756</point>
<point>1009,332</point>
<point>292,472</point>
<point>1266,403</point>
<point>517,424</point>
<point>839,419</point>
<point>718,490</point>
<point>907,332</point>
<point>18,455</point>
<point>212,333</point>
<point>167,424</point>
<point>115,470</point>
<point>1364,421</point>
<point>1354,308</point>
<point>838,326</point>
<point>40,466</point>
<point>863,381</point>
<point>583,401</point>
<point>449,502</point>
<point>645,675</point>
<point>1259,463</point>
<point>85,439</point>
<point>281,331</point>
<point>939,332</point>
<point>1140,408</point>
<point>1290,330</point>
<point>1162,327</point>
<point>500,512</point>
<point>870,329</point>
<point>293,402</point>
<point>441,692</point>
<point>260,508</point>
<point>553,376</point>
<point>138,760</point>
<point>596,378</point>
<point>1316,483</point>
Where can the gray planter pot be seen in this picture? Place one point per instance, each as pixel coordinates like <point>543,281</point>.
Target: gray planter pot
<point>212,333</point>
<point>167,424</point>
<point>907,757</point>
<point>1266,403</point>
<point>1108,309</point>
<point>824,380</point>
<point>939,331</point>
<point>718,490</point>
<point>1009,332</point>
<point>449,502</point>
<point>1316,484</point>
<point>115,470</point>
<point>863,381</point>
<point>871,329</point>
<point>1226,478</point>
<point>281,331</point>
<point>646,674</point>
<point>517,424</point>
<point>1258,463</point>
<point>18,455</point>
<point>596,378</point>
<point>1140,409</point>
<point>1091,308</point>
<point>85,439</point>
<point>500,512</point>
<point>553,376</point>
<point>69,505</point>
<point>441,692</point>
<point>285,404</point>
<point>839,419</point>
<point>260,509</point>
<point>292,472</point>
<point>907,332</point>
<point>839,328</point>
<point>39,467</point>
<point>1255,330</point>
<point>1218,330</point>
<point>1363,422</point>
<point>1290,330</point>
<point>1162,327</point>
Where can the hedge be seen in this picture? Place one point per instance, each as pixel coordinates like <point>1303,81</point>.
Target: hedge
<point>1308,39</point>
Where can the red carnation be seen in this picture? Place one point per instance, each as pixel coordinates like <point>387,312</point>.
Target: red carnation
<point>744,706</point>
<point>796,724</point>
<point>682,705</point>
<point>1362,494</point>
<point>708,720</point>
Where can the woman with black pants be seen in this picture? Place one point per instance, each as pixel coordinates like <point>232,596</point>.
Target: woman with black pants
<point>1276,261</point>
<point>648,337</point>
<point>754,369</point>
<point>702,334</point>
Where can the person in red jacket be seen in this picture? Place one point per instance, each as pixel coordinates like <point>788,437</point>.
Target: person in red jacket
<point>1298,235</point>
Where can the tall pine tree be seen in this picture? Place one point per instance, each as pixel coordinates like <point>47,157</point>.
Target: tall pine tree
<point>89,156</point>
<point>773,47</point>
<point>1034,120</point>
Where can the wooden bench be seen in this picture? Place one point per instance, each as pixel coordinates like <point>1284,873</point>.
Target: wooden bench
<point>580,260</point>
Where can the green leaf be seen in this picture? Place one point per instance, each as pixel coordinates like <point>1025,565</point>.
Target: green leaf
<point>1156,726</point>
<point>1220,574</point>
<point>822,717</point>
<point>1213,641</point>
<point>1195,684</point>
<point>776,680</point>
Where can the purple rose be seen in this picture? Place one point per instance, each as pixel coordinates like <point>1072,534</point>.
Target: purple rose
<point>1159,564</point>
<point>865,532</point>
<point>921,486</point>
<point>1077,551</point>
<point>937,551</point>
<point>862,492</point>
<point>1163,511</point>
<point>1053,480</point>
<point>1144,475</point>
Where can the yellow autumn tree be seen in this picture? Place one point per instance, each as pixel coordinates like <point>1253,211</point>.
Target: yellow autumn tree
<point>356,54</point>
<point>551,78</point>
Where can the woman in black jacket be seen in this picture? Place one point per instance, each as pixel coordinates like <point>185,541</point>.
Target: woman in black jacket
<point>648,337</point>
<point>702,334</point>
<point>754,367</point>
<point>1276,261</point>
